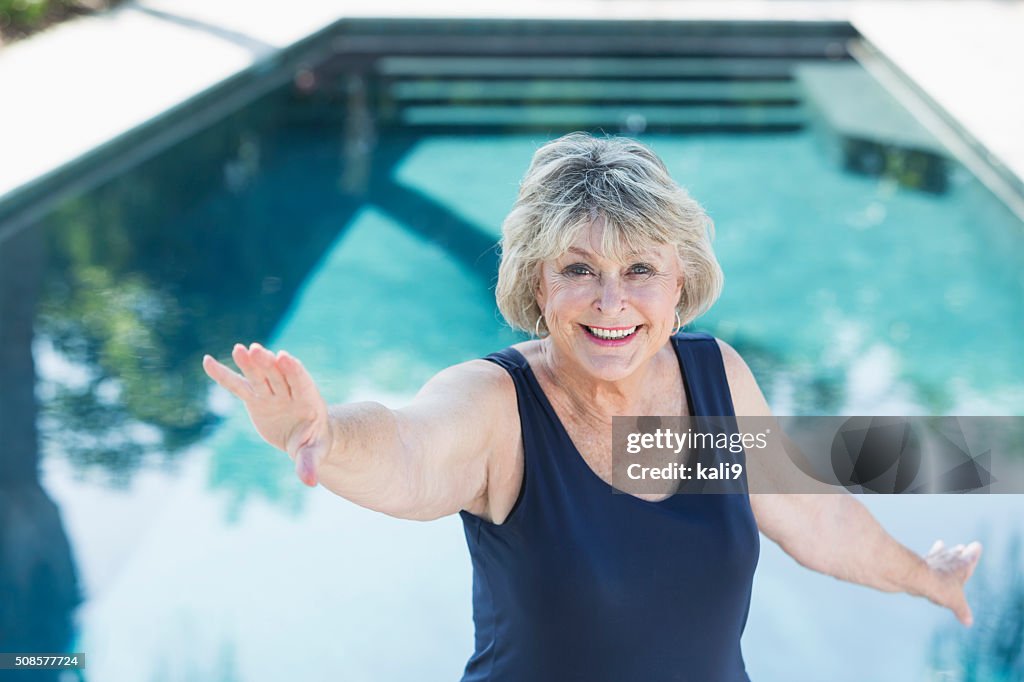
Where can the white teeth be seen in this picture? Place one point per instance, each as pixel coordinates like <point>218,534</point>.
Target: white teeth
<point>610,334</point>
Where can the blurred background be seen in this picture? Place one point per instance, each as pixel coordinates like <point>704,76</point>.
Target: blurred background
<point>341,198</point>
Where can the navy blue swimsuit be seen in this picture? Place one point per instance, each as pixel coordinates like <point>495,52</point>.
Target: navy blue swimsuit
<point>583,584</point>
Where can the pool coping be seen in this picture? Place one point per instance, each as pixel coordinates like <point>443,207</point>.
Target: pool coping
<point>233,49</point>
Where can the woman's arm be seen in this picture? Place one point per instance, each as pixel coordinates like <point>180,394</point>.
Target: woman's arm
<point>422,462</point>
<point>447,445</point>
<point>835,534</point>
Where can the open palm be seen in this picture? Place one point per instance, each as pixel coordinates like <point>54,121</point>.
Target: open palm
<point>283,403</point>
<point>952,567</point>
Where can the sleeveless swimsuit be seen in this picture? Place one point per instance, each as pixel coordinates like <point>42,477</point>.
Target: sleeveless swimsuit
<point>579,583</point>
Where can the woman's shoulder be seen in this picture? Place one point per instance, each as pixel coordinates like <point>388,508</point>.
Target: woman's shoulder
<point>488,398</point>
<point>685,337</point>
<point>476,395</point>
<point>730,357</point>
<point>746,394</point>
<point>479,379</point>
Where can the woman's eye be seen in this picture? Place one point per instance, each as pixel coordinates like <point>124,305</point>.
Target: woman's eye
<point>641,269</point>
<point>578,270</point>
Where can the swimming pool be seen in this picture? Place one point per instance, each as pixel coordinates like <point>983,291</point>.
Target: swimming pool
<point>347,217</point>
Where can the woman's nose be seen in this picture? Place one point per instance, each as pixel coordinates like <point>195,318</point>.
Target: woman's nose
<point>612,297</point>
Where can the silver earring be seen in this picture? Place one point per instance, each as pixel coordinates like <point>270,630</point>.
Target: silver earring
<point>679,324</point>
<point>536,327</point>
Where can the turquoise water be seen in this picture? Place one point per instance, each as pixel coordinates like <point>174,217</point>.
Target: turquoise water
<point>830,276</point>
<point>201,556</point>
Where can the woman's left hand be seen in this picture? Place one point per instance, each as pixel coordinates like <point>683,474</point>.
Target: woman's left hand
<point>950,567</point>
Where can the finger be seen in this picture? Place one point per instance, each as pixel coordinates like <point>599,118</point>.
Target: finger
<point>245,358</point>
<point>264,359</point>
<point>305,466</point>
<point>281,367</point>
<point>963,613</point>
<point>233,382</point>
<point>300,383</point>
<point>973,555</point>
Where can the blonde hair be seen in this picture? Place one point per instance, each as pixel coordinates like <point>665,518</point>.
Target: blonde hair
<point>577,179</point>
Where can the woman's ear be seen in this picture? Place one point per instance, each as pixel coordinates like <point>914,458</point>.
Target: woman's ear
<point>540,288</point>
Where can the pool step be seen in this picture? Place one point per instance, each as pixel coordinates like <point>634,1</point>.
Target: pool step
<point>635,118</point>
<point>630,77</point>
<point>534,91</point>
<point>592,67</point>
<point>563,93</point>
<point>869,130</point>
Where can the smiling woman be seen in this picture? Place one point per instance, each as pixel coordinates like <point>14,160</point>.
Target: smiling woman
<point>604,257</point>
<point>580,183</point>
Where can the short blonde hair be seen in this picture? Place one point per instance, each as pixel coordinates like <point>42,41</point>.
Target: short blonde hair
<point>577,179</point>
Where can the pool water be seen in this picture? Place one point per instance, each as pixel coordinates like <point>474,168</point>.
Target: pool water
<point>201,557</point>
<point>830,276</point>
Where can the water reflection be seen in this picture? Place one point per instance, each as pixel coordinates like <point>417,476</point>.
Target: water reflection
<point>115,296</point>
<point>38,582</point>
<point>139,285</point>
<point>153,269</point>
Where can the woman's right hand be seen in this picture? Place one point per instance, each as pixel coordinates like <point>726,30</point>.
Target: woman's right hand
<point>283,402</point>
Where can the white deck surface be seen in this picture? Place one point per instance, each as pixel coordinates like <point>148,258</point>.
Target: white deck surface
<point>83,84</point>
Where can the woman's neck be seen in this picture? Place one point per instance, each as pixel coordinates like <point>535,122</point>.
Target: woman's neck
<point>600,399</point>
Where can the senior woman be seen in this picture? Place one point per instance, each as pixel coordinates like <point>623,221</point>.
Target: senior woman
<point>604,259</point>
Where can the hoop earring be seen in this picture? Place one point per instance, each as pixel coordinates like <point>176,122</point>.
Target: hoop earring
<point>679,324</point>
<point>536,327</point>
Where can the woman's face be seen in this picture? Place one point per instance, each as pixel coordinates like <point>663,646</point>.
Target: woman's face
<point>606,316</point>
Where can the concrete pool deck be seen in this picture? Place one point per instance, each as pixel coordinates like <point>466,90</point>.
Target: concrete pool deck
<point>83,86</point>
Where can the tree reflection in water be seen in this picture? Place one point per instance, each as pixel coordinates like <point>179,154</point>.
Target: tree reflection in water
<point>38,583</point>
<point>108,303</point>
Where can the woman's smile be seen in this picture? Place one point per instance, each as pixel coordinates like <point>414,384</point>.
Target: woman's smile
<point>611,336</point>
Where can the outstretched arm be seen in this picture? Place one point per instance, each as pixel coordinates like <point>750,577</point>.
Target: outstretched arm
<point>833,533</point>
<point>836,535</point>
<point>423,461</point>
